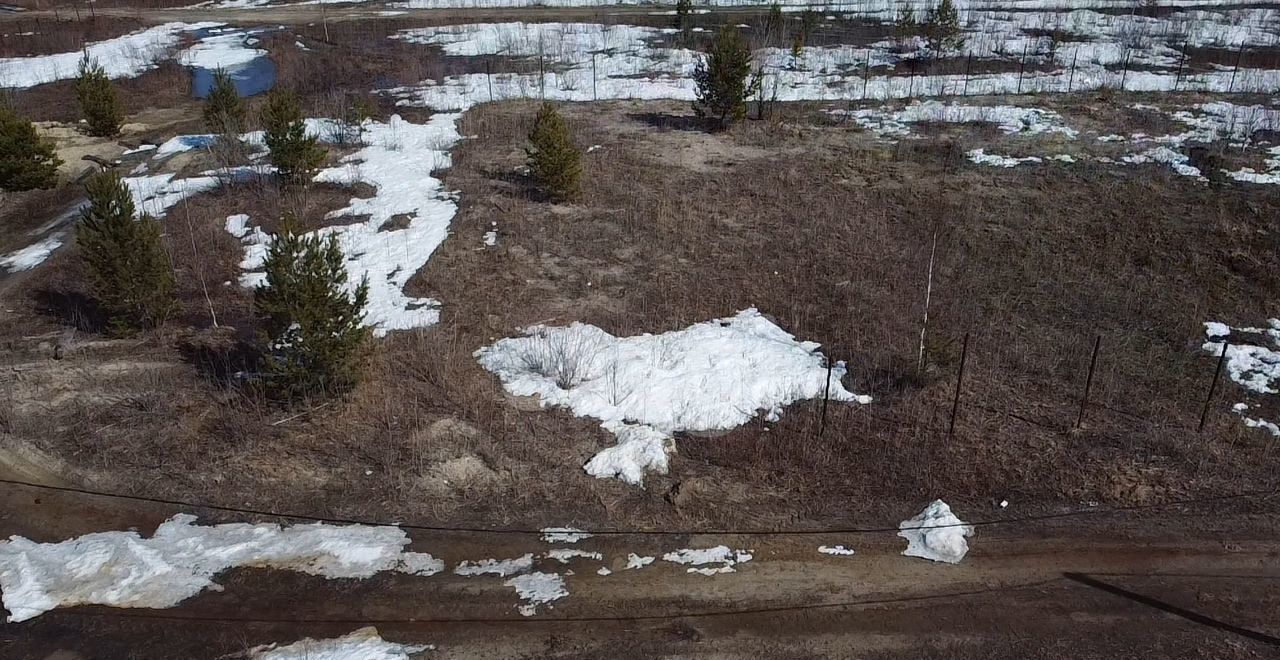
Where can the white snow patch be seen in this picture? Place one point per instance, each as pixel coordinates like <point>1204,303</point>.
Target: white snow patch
<point>566,555</point>
<point>499,567</point>
<point>123,569</point>
<point>33,255</point>
<point>1254,366</point>
<point>363,644</point>
<point>635,561</point>
<point>420,563</point>
<point>835,550</point>
<point>122,57</point>
<point>537,589</point>
<point>490,238</point>
<point>563,534</point>
<point>936,533</point>
<point>981,157</point>
<point>711,376</point>
<point>720,554</point>
<point>227,51</point>
<point>887,122</point>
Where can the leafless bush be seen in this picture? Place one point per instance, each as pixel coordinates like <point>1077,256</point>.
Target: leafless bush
<point>565,357</point>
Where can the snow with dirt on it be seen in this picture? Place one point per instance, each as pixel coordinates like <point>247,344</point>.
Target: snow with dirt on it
<point>711,376</point>
<point>936,533</point>
<point>124,569</point>
<point>363,644</point>
<point>31,256</point>
<point>537,589</point>
<point>709,561</point>
<point>1010,120</point>
<point>635,561</point>
<point>227,51</point>
<point>563,535</point>
<point>566,555</point>
<point>981,157</point>
<point>499,567</point>
<point>838,550</point>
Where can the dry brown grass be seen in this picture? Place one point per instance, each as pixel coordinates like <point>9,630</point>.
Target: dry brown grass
<point>27,37</point>
<point>820,226</point>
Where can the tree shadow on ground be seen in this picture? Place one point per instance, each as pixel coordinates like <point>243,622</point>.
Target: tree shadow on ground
<point>669,122</point>
<point>71,308</point>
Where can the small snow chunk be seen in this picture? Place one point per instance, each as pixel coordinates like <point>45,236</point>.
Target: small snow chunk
<point>490,238</point>
<point>499,567</point>
<point>563,535</point>
<point>981,157</point>
<point>31,256</point>
<point>604,570</point>
<point>835,550</point>
<point>566,555</point>
<point>420,563</point>
<point>537,589</point>
<point>363,644</point>
<point>635,561</point>
<point>936,533</point>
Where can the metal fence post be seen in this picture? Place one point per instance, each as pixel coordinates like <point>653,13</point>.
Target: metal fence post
<point>1088,381</point>
<point>1204,413</point>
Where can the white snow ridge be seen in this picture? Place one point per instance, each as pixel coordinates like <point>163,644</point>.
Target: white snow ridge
<point>710,376</point>
<point>936,533</point>
<point>180,560</point>
<point>363,644</point>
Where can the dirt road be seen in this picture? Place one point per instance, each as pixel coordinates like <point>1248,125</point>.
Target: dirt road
<point>1015,595</point>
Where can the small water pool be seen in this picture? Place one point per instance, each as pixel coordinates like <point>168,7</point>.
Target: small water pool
<point>253,78</point>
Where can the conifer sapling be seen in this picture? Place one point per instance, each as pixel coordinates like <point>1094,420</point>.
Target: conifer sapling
<point>554,162</point>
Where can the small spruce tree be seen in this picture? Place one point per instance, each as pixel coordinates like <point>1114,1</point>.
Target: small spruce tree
<point>942,28</point>
<point>98,101</point>
<point>223,109</point>
<point>311,325</point>
<point>554,162</point>
<point>27,161</point>
<point>128,268</point>
<point>294,154</point>
<point>721,78</point>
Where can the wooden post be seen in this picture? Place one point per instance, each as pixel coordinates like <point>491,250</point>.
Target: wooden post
<point>1022,65</point>
<point>968,62</point>
<point>866,71</point>
<point>955,404</point>
<point>488,76</point>
<point>1088,381</point>
<point>1124,75</point>
<point>1204,413</point>
<point>594,97</point>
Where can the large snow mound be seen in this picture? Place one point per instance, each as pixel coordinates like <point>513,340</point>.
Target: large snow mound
<point>936,533</point>
<point>710,376</point>
<point>123,569</point>
<point>363,644</point>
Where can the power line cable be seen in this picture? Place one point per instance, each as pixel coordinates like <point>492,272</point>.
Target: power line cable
<point>661,532</point>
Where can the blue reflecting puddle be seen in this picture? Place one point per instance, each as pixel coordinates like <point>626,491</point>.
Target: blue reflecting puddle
<point>255,77</point>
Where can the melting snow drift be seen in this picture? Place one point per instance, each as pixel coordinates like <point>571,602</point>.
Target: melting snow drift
<point>710,376</point>
<point>122,569</point>
<point>363,644</point>
<point>936,534</point>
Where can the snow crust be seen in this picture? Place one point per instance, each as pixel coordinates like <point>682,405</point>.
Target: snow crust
<point>1010,120</point>
<point>537,589</point>
<point>363,644</point>
<point>229,50</point>
<point>31,256</point>
<point>838,550</point>
<point>499,567</point>
<point>709,561</point>
<point>1253,362</point>
<point>714,375</point>
<point>563,535</point>
<point>936,533</point>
